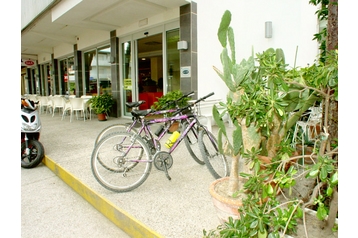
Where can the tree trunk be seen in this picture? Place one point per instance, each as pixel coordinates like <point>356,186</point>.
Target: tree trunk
<point>333,210</point>
<point>332,25</point>
<point>233,186</point>
<point>332,44</point>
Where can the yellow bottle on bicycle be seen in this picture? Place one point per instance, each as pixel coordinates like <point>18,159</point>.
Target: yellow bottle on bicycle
<point>172,139</point>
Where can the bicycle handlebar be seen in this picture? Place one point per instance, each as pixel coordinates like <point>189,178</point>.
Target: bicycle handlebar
<point>192,104</point>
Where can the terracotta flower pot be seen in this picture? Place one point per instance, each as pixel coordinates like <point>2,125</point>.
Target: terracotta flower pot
<point>173,127</point>
<point>225,206</point>
<point>307,150</point>
<point>101,117</point>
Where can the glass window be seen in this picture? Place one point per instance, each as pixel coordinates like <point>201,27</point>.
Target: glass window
<point>90,73</point>
<point>67,76</point>
<point>97,71</point>
<point>126,73</point>
<point>104,70</point>
<point>173,61</point>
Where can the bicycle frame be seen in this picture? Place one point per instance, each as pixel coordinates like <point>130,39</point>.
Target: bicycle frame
<point>147,122</point>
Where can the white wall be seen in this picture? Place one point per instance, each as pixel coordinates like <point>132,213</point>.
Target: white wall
<point>92,38</point>
<point>293,21</point>
<point>62,50</point>
<point>32,8</point>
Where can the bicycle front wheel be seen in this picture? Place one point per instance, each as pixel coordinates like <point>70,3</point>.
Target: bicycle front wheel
<point>191,142</point>
<point>121,161</point>
<point>214,160</point>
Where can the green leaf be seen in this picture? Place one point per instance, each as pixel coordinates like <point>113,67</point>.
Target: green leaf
<point>251,165</point>
<point>254,224</point>
<point>237,139</point>
<point>323,174</point>
<point>334,178</point>
<point>262,235</point>
<point>299,212</point>
<point>224,24</point>
<point>321,212</point>
<point>314,173</point>
<point>269,189</point>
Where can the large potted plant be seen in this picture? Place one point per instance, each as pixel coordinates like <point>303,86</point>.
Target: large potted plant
<point>102,104</point>
<point>265,101</point>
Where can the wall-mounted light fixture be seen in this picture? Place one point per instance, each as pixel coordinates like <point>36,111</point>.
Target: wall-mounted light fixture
<point>182,45</point>
<point>268,29</point>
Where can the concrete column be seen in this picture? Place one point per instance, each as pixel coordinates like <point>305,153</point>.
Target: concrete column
<point>78,71</point>
<point>115,83</point>
<point>189,57</point>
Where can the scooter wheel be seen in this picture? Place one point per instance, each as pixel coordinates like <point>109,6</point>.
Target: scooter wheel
<point>33,155</point>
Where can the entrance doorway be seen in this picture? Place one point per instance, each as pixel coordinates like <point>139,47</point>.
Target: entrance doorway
<point>150,66</point>
<point>150,69</point>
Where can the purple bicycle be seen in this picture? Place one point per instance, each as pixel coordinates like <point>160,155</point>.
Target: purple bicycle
<point>122,161</point>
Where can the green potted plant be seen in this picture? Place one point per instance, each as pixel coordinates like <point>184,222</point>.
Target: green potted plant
<point>265,101</point>
<point>102,104</point>
<point>167,101</point>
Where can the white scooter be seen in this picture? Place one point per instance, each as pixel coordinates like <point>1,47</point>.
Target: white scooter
<point>32,151</point>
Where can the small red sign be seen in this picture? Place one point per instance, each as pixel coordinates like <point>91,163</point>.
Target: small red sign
<point>29,62</point>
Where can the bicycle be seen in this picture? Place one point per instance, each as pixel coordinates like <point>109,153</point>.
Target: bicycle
<point>133,155</point>
<point>191,140</point>
<point>135,106</point>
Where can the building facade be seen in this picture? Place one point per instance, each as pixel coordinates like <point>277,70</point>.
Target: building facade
<point>142,49</point>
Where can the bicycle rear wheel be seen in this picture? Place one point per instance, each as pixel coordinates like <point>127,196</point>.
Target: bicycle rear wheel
<point>191,142</point>
<point>113,128</point>
<point>214,160</point>
<point>121,161</point>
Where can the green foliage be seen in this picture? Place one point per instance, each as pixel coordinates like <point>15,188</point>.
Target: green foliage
<point>259,220</point>
<point>322,15</point>
<point>326,171</point>
<point>266,98</point>
<point>263,96</point>
<point>169,101</point>
<point>102,103</point>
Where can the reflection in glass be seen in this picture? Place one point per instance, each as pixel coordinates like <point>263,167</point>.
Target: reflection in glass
<point>104,70</point>
<point>90,78</point>
<point>98,71</point>
<point>173,61</point>
<point>126,73</point>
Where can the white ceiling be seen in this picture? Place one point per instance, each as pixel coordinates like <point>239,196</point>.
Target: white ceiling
<point>44,34</point>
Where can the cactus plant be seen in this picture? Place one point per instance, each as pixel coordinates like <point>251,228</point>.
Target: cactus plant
<point>264,101</point>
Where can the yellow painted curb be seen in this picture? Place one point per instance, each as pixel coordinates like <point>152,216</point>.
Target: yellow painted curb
<point>120,218</point>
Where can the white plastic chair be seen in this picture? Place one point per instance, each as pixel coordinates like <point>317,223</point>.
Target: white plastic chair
<point>43,103</point>
<point>49,107</point>
<point>309,127</point>
<point>75,105</point>
<point>33,97</point>
<point>88,106</point>
<point>58,102</point>
<point>67,108</point>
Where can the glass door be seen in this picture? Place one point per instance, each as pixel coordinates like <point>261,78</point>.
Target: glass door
<point>150,69</point>
<point>149,65</point>
<point>127,78</point>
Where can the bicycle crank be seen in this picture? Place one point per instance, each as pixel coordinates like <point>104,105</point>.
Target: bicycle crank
<point>163,161</point>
